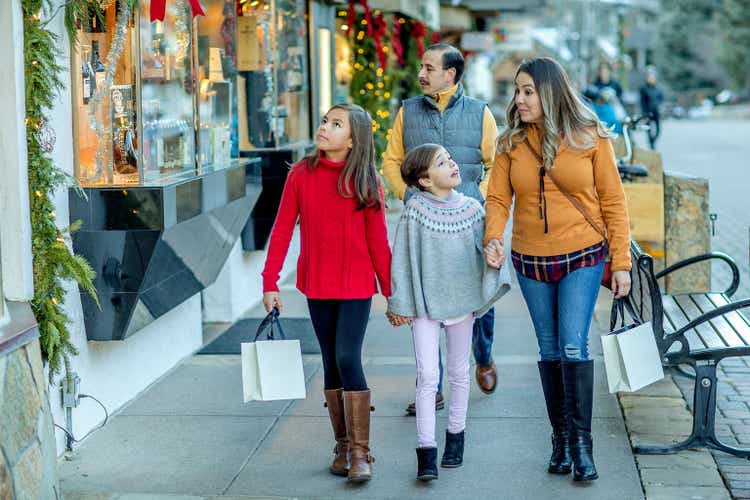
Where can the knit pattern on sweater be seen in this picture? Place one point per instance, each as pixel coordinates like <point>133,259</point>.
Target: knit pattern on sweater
<point>455,218</point>
<point>438,269</point>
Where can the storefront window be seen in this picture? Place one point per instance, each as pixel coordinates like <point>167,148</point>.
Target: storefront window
<point>189,94</point>
<point>98,141</point>
<point>167,112</point>
<point>217,77</point>
<point>166,94</point>
<point>273,75</point>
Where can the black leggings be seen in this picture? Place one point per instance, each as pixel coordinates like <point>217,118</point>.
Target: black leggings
<point>340,326</point>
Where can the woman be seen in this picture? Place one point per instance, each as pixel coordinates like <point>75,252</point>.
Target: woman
<point>554,142</point>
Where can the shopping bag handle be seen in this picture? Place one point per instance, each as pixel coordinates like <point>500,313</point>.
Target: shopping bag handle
<point>268,324</point>
<point>618,309</point>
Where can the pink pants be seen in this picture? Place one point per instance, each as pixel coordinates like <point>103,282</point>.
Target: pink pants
<point>426,343</point>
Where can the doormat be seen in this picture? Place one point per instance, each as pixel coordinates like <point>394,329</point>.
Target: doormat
<point>244,331</point>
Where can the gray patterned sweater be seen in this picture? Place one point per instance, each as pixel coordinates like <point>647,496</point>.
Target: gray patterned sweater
<point>438,269</point>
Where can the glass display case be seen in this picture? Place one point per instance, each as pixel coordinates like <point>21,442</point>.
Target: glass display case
<point>217,77</point>
<point>165,112</point>
<point>273,101</point>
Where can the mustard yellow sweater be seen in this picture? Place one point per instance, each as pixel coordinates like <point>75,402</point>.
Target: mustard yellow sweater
<point>394,153</point>
<point>590,176</point>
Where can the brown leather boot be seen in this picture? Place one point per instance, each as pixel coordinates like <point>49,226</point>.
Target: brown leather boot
<point>357,406</point>
<point>335,405</point>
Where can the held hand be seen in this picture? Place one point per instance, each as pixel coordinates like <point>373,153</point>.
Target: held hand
<point>620,284</point>
<point>494,253</point>
<point>395,320</point>
<point>271,300</point>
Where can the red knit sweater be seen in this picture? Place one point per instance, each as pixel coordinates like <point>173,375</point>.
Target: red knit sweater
<point>343,248</point>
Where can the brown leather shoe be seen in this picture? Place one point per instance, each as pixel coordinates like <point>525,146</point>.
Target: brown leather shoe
<point>411,409</point>
<point>357,409</point>
<point>487,377</point>
<point>335,405</point>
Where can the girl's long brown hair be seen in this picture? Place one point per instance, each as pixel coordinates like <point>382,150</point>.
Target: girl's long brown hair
<point>359,177</point>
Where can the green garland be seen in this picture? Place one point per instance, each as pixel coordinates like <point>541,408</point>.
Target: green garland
<point>371,85</point>
<point>53,262</point>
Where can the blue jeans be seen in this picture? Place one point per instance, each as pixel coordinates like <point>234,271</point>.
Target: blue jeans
<point>481,342</point>
<point>561,312</point>
<point>484,332</point>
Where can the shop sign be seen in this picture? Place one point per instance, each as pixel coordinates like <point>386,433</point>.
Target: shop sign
<point>512,35</point>
<point>454,18</point>
<point>476,41</point>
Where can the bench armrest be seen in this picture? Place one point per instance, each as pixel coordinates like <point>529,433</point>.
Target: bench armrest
<point>719,311</point>
<point>699,258</point>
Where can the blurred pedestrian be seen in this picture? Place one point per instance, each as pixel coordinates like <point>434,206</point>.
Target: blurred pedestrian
<point>605,96</point>
<point>604,79</point>
<point>556,159</point>
<point>651,100</point>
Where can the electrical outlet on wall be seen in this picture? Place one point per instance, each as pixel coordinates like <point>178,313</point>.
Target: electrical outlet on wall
<point>71,393</point>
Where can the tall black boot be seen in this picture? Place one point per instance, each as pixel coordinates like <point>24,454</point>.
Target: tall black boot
<point>554,395</point>
<point>578,378</point>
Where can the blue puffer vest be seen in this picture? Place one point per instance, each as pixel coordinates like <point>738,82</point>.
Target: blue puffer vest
<point>458,129</point>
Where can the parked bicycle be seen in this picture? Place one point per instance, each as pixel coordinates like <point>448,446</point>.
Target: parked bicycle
<point>629,171</point>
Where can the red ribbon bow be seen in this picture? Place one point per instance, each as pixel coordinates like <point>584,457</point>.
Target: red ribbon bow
<point>418,31</point>
<point>398,47</point>
<point>379,31</point>
<point>352,15</point>
<point>159,8</point>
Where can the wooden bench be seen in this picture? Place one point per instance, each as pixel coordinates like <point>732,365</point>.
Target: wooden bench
<point>697,329</point>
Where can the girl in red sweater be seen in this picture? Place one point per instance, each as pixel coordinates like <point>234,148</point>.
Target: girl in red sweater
<point>337,197</point>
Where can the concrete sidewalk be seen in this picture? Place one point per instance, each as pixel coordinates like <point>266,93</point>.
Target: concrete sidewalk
<point>190,435</point>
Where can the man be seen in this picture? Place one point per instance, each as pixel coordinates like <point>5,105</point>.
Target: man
<point>651,99</point>
<point>466,128</point>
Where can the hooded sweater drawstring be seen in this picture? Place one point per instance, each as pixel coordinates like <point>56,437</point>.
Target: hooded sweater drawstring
<point>543,200</point>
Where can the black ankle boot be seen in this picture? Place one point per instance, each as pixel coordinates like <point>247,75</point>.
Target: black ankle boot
<point>554,395</point>
<point>578,378</point>
<point>453,455</point>
<point>427,464</point>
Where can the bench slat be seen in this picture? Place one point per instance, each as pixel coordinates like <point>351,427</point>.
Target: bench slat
<point>708,334</point>
<point>677,317</point>
<point>738,320</point>
<point>722,326</point>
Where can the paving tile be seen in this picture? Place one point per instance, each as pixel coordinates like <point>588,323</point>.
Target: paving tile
<point>678,477</point>
<point>686,493</point>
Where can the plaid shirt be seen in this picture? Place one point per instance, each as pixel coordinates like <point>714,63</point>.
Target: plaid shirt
<point>556,267</point>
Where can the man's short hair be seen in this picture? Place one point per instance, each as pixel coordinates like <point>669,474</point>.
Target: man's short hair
<point>452,58</point>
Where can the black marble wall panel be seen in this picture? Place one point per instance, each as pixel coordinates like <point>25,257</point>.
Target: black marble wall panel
<point>275,167</point>
<point>155,247</point>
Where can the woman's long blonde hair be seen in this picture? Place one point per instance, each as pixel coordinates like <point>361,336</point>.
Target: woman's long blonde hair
<point>566,116</point>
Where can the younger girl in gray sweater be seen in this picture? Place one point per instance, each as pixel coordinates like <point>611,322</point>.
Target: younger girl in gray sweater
<point>439,277</point>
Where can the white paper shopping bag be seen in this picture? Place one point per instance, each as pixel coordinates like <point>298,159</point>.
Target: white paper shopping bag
<point>272,369</point>
<point>631,357</point>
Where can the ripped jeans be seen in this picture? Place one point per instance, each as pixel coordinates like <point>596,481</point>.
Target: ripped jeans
<point>561,312</point>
